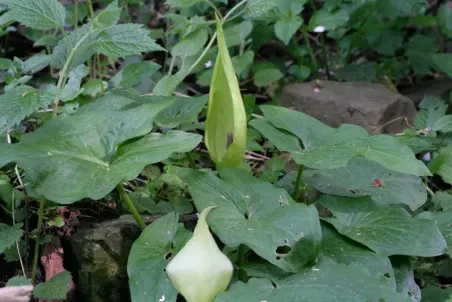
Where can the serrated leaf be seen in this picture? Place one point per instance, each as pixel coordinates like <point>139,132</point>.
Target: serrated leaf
<point>266,73</point>
<point>444,124</point>
<point>257,214</point>
<point>329,148</point>
<point>38,14</point>
<point>237,33</point>
<point>432,110</point>
<point>191,44</point>
<point>72,88</point>
<point>109,16</point>
<point>443,62</point>
<point>326,281</point>
<point>343,250</point>
<point>56,288</point>
<point>133,74</point>
<point>286,28</point>
<point>92,147</point>
<point>324,20</point>
<point>149,256</point>
<point>9,235</point>
<point>18,103</point>
<point>18,281</point>
<point>258,8</point>
<point>225,138</point>
<point>183,110</point>
<point>183,3</point>
<point>441,199</point>
<point>358,179</point>
<point>419,143</point>
<point>388,230</point>
<point>36,63</point>
<point>125,40</point>
<point>404,275</point>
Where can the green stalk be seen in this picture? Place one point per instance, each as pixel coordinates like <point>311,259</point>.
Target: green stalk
<point>241,263</point>
<point>75,14</point>
<point>311,51</point>
<point>36,252</point>
<point>132,209</point>
<point>325,57</point>
<point>90,7</point>
<point>298,184</point>
<point>215,9</point>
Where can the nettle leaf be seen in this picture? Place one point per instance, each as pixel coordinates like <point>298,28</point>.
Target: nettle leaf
<point>363,177</point>
<point>38,14</point>
<point>329,148</point>
<point>183,110</point>
<point>432,109</point>
<point>325,282</point>
<point>225,138</point>
<point>183,3</point>
<point>125,40</point>
<point>444,222</point>
<point>404,275</point>
<point>55,288</point>
<point>343,250</point>
<point>237,33</point>
<point>149,256</point>
<point>287,27</point>
<point>444,124</point>
<point>88,153</point>
<point>257,214</point>
<point>18,281</point>
<point>442,164</point>
<point>324,20</point>
<point>109,16</point>
<point>36,63</point>
<point>72,88</point>
<point>388,230</point>
<point>9,235</point>
<point>191,44</point>
<point>258,8</point>
<point>18,103</point>
<point>133,74</point>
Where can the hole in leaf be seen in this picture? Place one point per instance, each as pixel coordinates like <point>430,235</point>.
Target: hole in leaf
<point>284,249</point>
<point>274,284</point>
<point>278,258</point>
<point>387,275</point>
<point>168,255</point>
<point>246,215</point>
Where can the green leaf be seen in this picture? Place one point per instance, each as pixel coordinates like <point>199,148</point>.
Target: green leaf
<point>38,14</point>
<point>444,124</point>
<point>432,110</point>
<point>443,200</point>
<point>419,143</point>
<point>442,164</point>
<point>5,64</point>
<point>443,62</point>
<point>243,63</point>
<point>266,73</point>
<point>178,204</point>
<point>326,281</point>
<point>191,44</point>
<point>436,294</point>
<point>329,148</point>
<point>125,40</point>
<point>9,235</point>
<point>225,134</point>
<point>282,140</point>
<point>286,28</point>
<point>404,275</point>
<point>182,3</point>
<point>72,88</point>
<point>444,17</point>
<point>257,214</point>
<point>358,179</point>
<point>388,230</point>
<point>258,8</point>
<point>94,87</point>
<point>444,222</point>
<point>55,288</point>
<point>18,281</point>
<point>168,84</point>
<point>133,74</point>
<point>46,40</point>
<point>183,110</point>
<point>92,147</point>
<point>109,16</point>
<point>343,250</point>
<point>149,256</point>
<point>300,72</point>
<point>36,63</point>
<point>237,33</point>
<point>324,20</point>
<point>18,103</point>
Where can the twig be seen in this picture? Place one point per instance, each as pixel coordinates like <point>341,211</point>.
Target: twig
<point>393,121</point>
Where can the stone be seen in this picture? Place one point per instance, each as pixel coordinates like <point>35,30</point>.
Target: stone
<point>368,105</point>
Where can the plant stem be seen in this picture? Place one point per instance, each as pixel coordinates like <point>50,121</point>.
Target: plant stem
<point>241,263</point>
<point>325,56</point>
<point>37,242</point>
<point>429,191</point>
<point>99,72</point>
<point>311,51</point>
<point>90,7</point>
<point>75,14</point>
<point>191,161</point>
<point>132,209</point>
<point>215,8</point>
<point>297,191</point>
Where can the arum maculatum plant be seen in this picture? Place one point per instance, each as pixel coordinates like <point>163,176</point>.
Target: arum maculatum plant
<point>225,134</point>
<point>200,271</point>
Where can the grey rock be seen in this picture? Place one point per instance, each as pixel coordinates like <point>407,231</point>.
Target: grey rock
<point>368,105</point>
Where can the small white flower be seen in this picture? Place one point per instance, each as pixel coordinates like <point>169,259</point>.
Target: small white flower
<point>162,298</point>
<point>208,64</point>
<point>319,29</point>
<point>427,156</point>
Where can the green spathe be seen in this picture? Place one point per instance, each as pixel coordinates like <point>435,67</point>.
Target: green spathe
<point>225,134</point>
<point>200,271</point>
